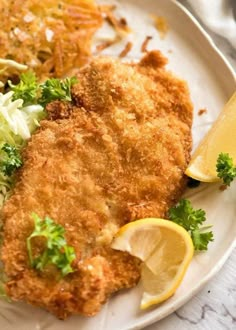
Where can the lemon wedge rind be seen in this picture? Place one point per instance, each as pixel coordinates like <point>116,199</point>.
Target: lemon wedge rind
<point>154,240</point>
<point>220,138</point>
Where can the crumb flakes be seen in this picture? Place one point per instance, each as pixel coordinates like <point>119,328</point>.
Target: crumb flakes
<point>127,49</point>
<point>145,44</point>
<point>202,111</point>
<point>223,187</point>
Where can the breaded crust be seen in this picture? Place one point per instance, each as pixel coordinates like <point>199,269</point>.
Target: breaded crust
<point>117,153</point>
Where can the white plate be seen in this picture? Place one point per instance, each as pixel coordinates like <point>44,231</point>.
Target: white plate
<point>194,57</point>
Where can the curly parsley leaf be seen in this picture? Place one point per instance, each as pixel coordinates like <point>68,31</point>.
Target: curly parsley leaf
<point>31,92</point>
<point>10,159</point>
<point>225,168</point>
<point>64,260</point>
<point>201,239</point>
<point>56,251</point>
<point>184,215</point>
<point>55,89</point>
<point>27,89</point>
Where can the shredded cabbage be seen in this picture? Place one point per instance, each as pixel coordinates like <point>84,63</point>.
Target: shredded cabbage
<point>17,122</point>
<point>6,63</point>
<point>16,126</point>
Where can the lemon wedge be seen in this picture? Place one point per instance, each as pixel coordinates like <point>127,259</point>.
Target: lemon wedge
<point>220,138</point>
<point>166,250</point>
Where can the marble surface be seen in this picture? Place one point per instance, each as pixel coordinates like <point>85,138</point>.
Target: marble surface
<point>214,308</point>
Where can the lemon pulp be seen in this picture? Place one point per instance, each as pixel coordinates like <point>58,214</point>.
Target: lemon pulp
<point>220,138</point>
<point>166,250</point>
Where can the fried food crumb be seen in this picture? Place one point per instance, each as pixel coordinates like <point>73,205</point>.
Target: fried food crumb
<point>120,26</point>
<point>127,49</point>
<point>223,187</point>
<point>202,111</point>
<point>106,44</point>
<point>145,44</point>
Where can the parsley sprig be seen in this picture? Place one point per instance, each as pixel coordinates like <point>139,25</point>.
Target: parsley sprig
<point>56,251</point>
<point>33,93</point>
<point>184,215</point>
<point>225,168</point>
<point>55,89</point>
<point>27,89</point>
<point>10,159</point>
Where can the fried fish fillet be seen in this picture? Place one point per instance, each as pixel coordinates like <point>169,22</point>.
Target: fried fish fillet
<point>115,154</point>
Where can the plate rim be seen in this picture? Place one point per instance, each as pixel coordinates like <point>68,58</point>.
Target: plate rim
<point>217,267</point>
<point>151,319</point>
<point>207,37</point>
<point>182,301</point>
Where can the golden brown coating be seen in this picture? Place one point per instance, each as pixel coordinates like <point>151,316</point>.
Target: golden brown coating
<point>116,154</point>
